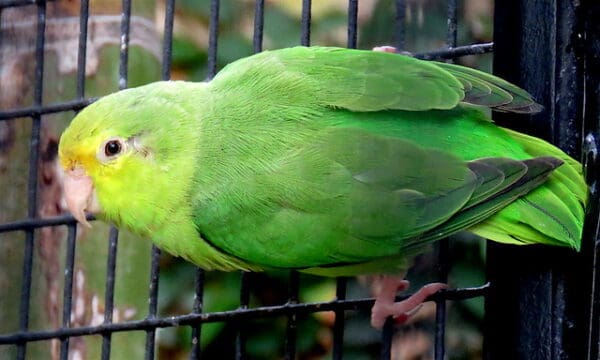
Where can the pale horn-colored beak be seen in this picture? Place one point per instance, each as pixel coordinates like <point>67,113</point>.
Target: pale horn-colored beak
<point>79,194</point>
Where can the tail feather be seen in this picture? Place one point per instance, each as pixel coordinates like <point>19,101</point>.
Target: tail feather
<point>551,214</point>
<point>536,172</point>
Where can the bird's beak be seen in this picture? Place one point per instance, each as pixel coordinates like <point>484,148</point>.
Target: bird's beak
<point>79,194</point>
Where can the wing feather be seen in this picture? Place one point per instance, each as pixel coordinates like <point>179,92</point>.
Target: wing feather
<point>364,81</point>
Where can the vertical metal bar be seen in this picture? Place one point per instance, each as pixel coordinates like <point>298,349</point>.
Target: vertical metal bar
<point>305,22</point>
<point>340,321</point>
<point>109,290</point>
<point>82,47</point>
<point>84,11</point>
<point>592,228</point>
<point>591,46</point>
<point>155,268</point>
<point>68,283</point>
<point>352,23</point>
<point>39,80</point>
<point>196,351</point>
<point>25,291</point>
<point>400,25</point>
<point>153,301</point>
<point>68,289</point>
<point>168,39</point>
<point>124,50</point>
<point>240,342</point>
<point>34,153</point>
<point>114,233</point>
<point>213,35</point>
<point>387,334</point>
<point>440,330</point>
<point>538,305</point>
<point>259,19</point>
<point>443,268</point>
<point>452,24</point>
<point>80,93</point>
<point>443,246</point>
<point>290,332</point>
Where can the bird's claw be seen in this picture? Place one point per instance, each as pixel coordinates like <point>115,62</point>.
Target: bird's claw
<point>401,311</point>
<point>393,50</point>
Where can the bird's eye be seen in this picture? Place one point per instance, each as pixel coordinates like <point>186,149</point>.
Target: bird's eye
<point>112,148</point>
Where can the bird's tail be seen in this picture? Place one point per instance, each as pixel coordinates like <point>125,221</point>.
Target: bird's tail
<point>551,214</point>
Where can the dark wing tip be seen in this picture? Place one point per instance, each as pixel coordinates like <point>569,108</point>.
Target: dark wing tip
<point>550,162</point>
<point>489,90</point>
<point>531,108</point>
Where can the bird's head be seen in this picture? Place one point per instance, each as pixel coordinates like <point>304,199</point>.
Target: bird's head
<point>120,155</point>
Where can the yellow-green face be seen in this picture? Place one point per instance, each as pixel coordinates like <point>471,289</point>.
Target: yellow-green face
<point>91,157</point>
<point>123,154</point>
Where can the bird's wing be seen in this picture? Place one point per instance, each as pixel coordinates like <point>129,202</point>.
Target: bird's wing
<point>359,80</point>
<point>361,196</point>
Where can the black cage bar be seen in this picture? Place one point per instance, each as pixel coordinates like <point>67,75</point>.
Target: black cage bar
<point>545,309</point>
<point>543,305</point>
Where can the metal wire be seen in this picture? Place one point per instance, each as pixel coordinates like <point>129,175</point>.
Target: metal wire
<point>39,110</point>
<point>84,13</point>
<point>292,318</point>
<point>168,39</point>
<point>32,184</point>
<point>443,246</point>
<point>153,303</point>
<point>387,335</point>
<point>68,289</point>
<point>196,351</point>
<point>259,20</point>
<point>109,292</point>
<point>475,49</point>
<point>240,314</point>
<point>352,23</point>
<point>400,24</point>
<point>452,32</point>
<point>305,22</point>
<point>591,156</point>
<point>240,342</point>
<point>592,230</point>
<point>213,34</point>
<point>338,325</point>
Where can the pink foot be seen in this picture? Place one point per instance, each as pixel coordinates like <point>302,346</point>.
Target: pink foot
<point>393,50</point>
<point>401,311</point>
<point>388,49</point>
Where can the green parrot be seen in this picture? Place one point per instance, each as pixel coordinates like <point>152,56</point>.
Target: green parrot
<point>330,161</point>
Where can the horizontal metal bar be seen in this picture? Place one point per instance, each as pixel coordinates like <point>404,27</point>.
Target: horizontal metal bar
<point>446,53</point>
<point>238,314</point>
<point>46,109</point>
<point>450,53</point>
<point>29,224</point>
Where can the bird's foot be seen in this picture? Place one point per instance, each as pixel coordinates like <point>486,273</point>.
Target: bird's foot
<point>391,49</point>
<point>401,311</point>
<point>385,48</point>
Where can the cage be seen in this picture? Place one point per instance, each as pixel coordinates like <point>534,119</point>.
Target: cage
<point>65,295</point>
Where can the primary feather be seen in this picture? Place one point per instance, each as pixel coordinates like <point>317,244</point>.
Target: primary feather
<point>326,160</point>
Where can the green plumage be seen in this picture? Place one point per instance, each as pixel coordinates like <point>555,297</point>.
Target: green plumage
<point>331,161</point>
